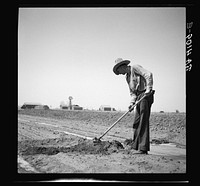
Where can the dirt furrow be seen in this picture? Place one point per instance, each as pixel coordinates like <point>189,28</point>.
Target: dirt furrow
<point>92,132</point>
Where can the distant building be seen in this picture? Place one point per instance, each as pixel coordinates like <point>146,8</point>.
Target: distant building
<point>38,107</point>
<point>45,107</point>
<point>73,107</point>
<point>76,107</point>
<point>63,107</point>
<point>34,106</point>
<point>106,108</point>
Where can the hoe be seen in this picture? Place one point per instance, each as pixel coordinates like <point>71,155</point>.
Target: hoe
<point>98,140</point>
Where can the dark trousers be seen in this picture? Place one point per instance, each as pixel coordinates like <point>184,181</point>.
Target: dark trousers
<point>141,135</point>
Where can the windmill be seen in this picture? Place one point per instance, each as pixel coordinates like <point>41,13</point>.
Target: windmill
<point>70,102</point>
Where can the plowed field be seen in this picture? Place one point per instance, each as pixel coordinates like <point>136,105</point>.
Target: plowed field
<point>59,141</point>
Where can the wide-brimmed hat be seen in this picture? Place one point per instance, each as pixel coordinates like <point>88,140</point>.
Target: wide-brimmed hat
<point>118,63</point>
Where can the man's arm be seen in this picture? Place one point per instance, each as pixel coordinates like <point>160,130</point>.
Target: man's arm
<point>133,100</point>
<point>132,87</point>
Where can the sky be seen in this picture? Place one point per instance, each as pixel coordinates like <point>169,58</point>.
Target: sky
<point>66,52</point>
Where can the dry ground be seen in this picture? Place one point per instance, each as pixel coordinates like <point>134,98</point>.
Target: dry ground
<point>47,144</point>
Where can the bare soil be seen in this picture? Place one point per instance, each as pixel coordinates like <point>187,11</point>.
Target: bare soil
<point>52,141</point>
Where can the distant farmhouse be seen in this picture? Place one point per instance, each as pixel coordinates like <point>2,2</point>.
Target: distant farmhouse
<point>76,107</point>
<point>106,108</point>
<point>34,106</point>
<point>72,107</point>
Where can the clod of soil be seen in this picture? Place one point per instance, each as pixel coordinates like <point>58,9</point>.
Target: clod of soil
<point>31,150</point>
<point>83,146</point>
<point>104,147</point>
<point>128,142</point>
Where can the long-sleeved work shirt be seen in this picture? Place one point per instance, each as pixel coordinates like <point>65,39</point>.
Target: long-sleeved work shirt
<point>139,79</point>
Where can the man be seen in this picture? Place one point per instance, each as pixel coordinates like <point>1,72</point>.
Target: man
<point>140,82</point>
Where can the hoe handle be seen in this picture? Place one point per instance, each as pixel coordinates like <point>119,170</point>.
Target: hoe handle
<point>152,92</point>
<point>113,124</point>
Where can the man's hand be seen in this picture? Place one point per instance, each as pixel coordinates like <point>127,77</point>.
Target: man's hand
<point>147,93</point>
<point>130,108</point>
